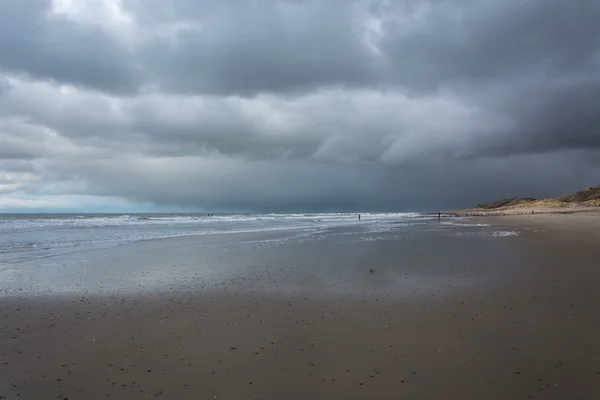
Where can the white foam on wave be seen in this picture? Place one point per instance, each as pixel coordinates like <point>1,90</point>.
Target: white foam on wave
<point>464,224</point>
<point>59,232</point>
<point>504,233</point>
<point>34,224</point>
<point>497,234</point>
<point>80,221</point>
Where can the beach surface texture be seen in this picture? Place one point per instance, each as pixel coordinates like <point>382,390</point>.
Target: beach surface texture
<point>316,307</point>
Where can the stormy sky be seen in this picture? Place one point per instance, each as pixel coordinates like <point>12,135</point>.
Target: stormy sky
<point>295,105</point>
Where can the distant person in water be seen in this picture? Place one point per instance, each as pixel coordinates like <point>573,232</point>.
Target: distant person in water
<point>439,215</point>
<point>359,217</point>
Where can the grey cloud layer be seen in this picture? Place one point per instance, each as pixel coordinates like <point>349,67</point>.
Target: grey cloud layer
<point>300,104</point>
<point>41,46</point>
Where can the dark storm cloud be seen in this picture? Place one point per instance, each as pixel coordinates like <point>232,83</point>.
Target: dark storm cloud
<point>292,186</point>
<point>554,118</point>
<point>535,61</point>
<point>483,42</point>
<point>328,126</point>
<point>43,46</point>
<point>543,53</point>
<point>299,105</point>
<point>252,47</point>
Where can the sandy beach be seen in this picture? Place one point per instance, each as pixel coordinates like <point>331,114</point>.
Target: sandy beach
<point>480,212</point>
<point>514,317</point>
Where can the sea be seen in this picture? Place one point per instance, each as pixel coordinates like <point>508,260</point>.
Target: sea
<point>25,237</point>
<point>318,253</point>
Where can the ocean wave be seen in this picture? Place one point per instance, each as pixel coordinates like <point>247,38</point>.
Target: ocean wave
<point>16,224</point>
<point>44,232</point>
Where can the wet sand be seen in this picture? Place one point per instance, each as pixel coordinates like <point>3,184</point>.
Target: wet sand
<point>468,318</point>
